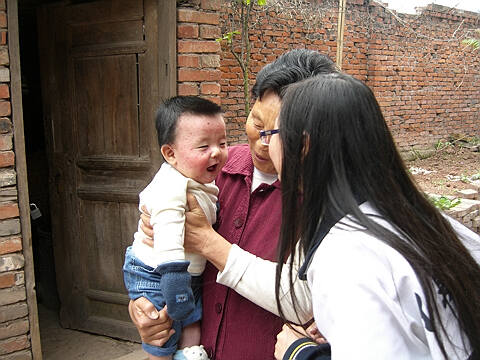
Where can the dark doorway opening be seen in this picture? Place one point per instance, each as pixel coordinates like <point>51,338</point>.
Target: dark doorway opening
<point>36,157</point>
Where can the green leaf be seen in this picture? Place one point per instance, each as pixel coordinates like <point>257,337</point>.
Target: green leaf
<point>228,36</point>
<point>444,203</point>
<point>474,43</point>
<point>262,2</point>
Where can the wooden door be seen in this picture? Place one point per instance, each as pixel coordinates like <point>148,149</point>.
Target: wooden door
<point>105,66</point>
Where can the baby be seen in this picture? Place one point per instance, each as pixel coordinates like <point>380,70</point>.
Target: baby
<point>192,139</point>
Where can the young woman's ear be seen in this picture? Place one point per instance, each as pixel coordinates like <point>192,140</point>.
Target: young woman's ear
<point>168,154</point>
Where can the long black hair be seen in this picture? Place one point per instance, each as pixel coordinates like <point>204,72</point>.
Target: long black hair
<point>337,150</point>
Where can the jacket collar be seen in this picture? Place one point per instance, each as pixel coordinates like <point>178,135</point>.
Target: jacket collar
<point>241,163</point>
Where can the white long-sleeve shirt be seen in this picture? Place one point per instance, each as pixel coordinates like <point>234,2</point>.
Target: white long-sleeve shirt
<point>254,278</point>
<point>368,302</point>
<point>165,199</point>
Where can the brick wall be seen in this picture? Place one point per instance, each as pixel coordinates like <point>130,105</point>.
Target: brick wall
<point>14,322</point>
<point>198,57</point>
<point>427,84</point>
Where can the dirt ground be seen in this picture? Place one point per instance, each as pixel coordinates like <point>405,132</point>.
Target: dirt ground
<point>65,344</point>
<point>447,170</point>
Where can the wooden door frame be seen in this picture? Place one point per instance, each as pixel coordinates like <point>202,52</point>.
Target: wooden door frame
<point>166,60</point>
<point>21,169</point>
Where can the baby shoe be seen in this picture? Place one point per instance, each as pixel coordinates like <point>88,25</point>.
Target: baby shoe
<point>196,352</point>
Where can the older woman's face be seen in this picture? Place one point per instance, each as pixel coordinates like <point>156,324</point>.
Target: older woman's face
<point>262,117</point>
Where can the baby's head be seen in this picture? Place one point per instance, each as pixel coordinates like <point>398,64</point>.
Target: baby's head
<point>192,137</point>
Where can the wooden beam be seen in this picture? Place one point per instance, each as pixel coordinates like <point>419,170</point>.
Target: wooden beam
<point>342,5</point>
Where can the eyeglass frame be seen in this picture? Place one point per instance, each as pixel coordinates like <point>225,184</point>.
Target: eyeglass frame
<point>265,135</point>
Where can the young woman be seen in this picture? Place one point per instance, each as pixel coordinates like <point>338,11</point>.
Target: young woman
<point>391,277</point>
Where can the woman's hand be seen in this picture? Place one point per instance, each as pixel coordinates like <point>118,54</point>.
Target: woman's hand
<point>200,238</point>
<point>286,337</point>
<point>146,227</point>
<point>313,333</point>
<point>197,227</point>
<point>154,327</point>
<point>291,333</point>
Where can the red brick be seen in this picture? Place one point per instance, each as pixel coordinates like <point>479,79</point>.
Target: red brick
<point>7,158</point>
<point>5,108</point>
<point>8,211</point>
<point>10,245</point>
<point>210,88</point>
<point>215,99</point>
<point>187,46</point>
<point>188,61</point>
<point>4,91</point>
<point>193,16</point>
<point>7,280</point>
<point>3,37</point>
<point>187,31</point>
<point>198,75</point>
<point>187,89</point>
<point>2,5</point>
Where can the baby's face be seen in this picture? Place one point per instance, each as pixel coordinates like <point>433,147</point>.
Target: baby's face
<point>200,146</point>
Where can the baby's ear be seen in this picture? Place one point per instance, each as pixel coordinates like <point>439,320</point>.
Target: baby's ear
<point>168,154</point>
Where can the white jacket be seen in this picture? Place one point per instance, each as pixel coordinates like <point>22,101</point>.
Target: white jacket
<point>368,301</point>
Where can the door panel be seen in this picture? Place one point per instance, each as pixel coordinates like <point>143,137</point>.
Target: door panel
<point>95,79</point>
<point>101,84</point>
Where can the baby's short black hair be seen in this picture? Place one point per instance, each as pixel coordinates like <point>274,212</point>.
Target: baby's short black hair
<point>171,109</point>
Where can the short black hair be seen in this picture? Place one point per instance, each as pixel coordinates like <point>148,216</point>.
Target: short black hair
<point>289,68</point>
<point>171,109</point>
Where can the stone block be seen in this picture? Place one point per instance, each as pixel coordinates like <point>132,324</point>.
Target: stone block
<point>6,142</point>
<point>13,344</point>
<point>8,177</point>
<point>19,355</point>
<point>12,295</point>
<point>14,311</point>
<point>11,262</point>
<point>14,328</point>
<point>5,125</point>
<point>4,74</point>
<point>4,59</point>
<point>210,61</point>
<point>8,194</point>
<point>467,194</point>
<point>9,227</point>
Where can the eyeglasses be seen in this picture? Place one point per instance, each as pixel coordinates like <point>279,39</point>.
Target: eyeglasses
<point>266,135</point>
